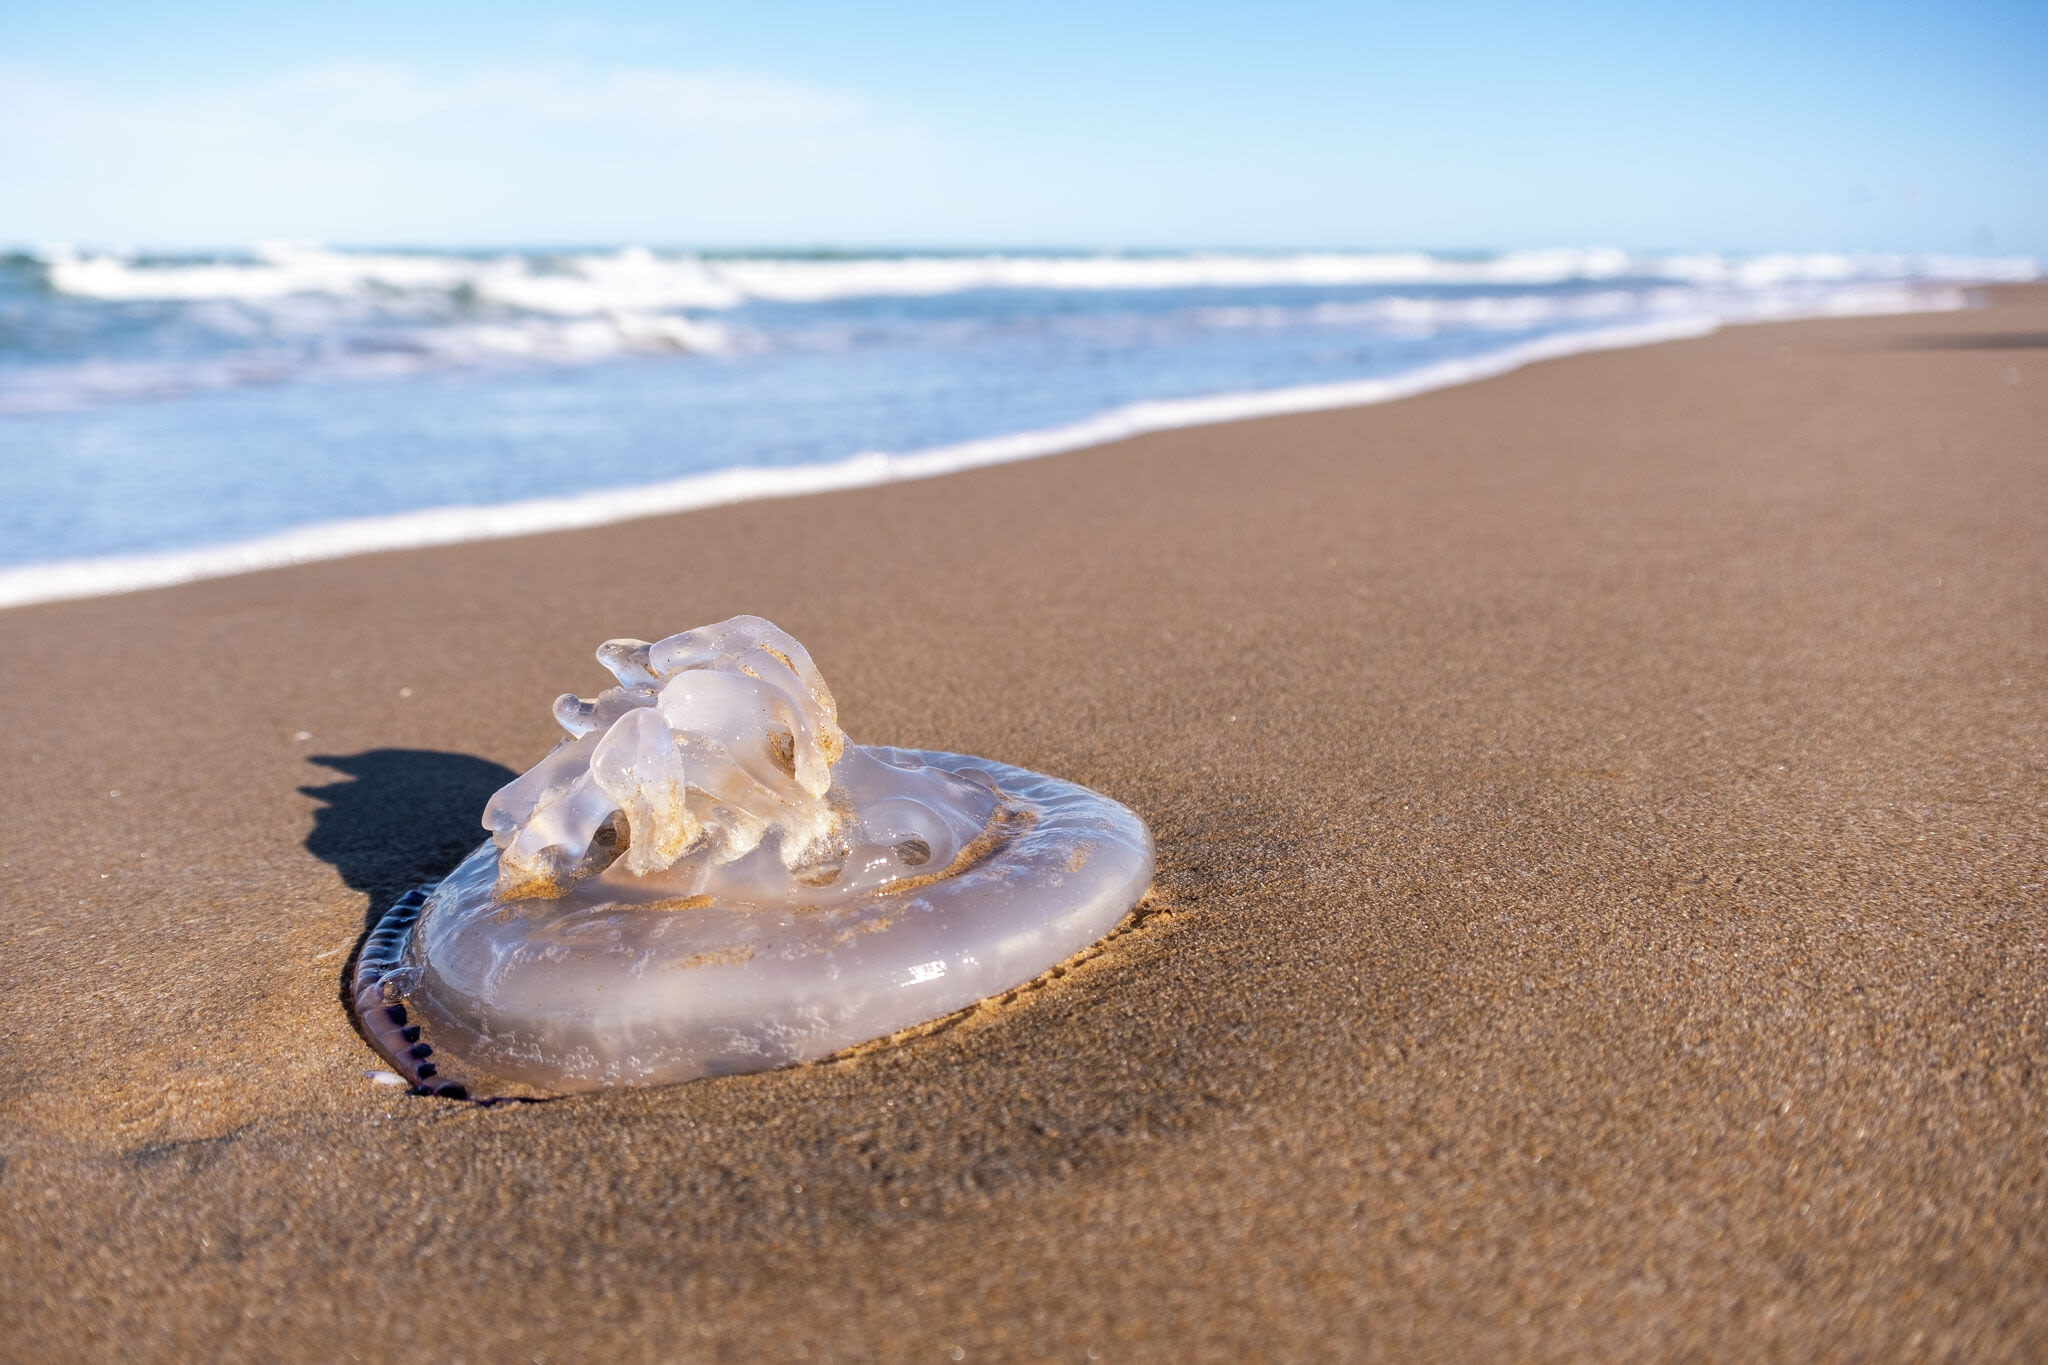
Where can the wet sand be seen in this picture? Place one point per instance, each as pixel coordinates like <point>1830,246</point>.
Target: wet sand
<point>1600,906</point>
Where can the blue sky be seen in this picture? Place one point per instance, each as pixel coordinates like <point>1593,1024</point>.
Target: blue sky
<point>1916,127</point>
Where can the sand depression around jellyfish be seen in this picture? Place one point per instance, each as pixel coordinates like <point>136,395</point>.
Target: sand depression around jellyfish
<point>705,877</point>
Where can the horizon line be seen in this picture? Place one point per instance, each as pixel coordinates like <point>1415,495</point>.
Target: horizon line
<point>827,251</point>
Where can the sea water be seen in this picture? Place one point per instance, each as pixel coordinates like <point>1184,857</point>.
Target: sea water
<point>168,417</point>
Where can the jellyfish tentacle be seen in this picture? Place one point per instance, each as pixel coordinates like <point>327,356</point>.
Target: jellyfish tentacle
<point>627,661</point>
<point>639,767</point>
<point>713,739</point>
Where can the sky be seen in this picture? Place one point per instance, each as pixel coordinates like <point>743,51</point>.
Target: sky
<point>1736,127</point>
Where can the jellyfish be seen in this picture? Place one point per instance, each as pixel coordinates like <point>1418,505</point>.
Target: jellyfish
<point>705,877</point>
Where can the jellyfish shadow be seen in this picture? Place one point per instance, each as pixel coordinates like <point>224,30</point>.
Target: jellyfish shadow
<point>402,817</point>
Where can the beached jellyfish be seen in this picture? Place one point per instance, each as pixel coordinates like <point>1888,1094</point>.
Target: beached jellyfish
<point>705,877</point>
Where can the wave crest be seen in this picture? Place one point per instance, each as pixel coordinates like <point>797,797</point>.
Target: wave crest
<point>638,280</point>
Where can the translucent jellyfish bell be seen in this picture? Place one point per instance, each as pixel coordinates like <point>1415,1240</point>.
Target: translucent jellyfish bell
<point>706,878</point>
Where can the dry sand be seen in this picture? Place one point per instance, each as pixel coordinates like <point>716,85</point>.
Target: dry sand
<point>1600,907</point>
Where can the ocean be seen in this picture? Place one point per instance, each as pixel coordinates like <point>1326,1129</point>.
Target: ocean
<point>167,417</point>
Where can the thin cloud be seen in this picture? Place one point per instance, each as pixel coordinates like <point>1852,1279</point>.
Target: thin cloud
<point>388,151</point>
<point>650,97</point>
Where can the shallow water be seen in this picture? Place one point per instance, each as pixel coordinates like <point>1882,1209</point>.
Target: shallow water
<point>160,405</point>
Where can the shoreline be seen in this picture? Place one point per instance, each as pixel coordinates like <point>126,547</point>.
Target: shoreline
<point>97,576</point>
<point>1598,914</point>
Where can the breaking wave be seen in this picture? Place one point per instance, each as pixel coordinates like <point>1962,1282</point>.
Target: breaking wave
<point>638,280</point>
<point>94,329</point>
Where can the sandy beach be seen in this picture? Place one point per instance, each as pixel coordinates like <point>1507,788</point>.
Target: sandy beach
<point>1602,905</point>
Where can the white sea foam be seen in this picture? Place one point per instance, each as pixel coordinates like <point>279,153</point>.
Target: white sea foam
<point>278,272</point>
<point>638,280</point>
<point>554,341</point>
<point>574,339</point>
<point>451,525</point>
<point>571,286</point>
<point>1516,312</point>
